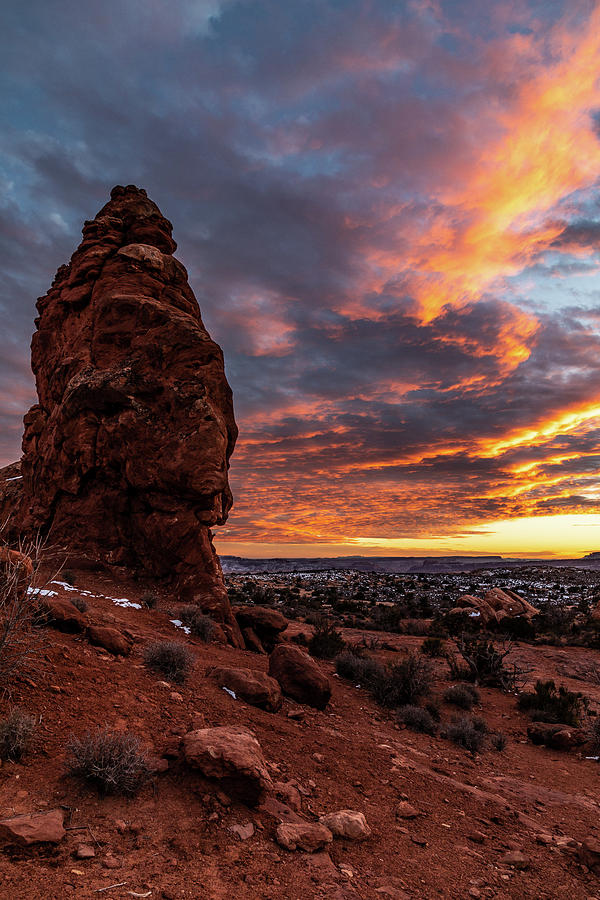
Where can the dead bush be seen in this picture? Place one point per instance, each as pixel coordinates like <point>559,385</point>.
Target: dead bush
<point>170,658</point>
<point>485,663</point>
<point>16,733</point>
<point>80,603</point>
<point>464,696</point>
<point>110,762</point>
<point>149,599</point>
<point>359,669</point>
<point>468,731</point>
<point>326,641</point>
<point>19,610</point>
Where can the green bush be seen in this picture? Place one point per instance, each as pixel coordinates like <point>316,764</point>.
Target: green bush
<point>547,703</point>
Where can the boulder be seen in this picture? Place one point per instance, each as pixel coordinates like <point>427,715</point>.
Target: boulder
<point>556,736</point>
<point>306,836</point>
<point>110,639</point>
<point>37,828</point>
<point>256,688</point>
<point>267,624</point>
<point>252,640</point>
<point>347,823</point>
<point>589,854</point>
<point>299,676</point>
<point>126,453</point>
<point>62,614</point>
<point>231,754</point>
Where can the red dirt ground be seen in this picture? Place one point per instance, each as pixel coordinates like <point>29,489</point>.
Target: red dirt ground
<point>177,841</point>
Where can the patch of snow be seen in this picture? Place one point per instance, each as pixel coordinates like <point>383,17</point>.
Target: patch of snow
<point>42,592</point>
<point>596,758</point>
<point>231,693</point>
<point>125,603</point>
<point>474,615</point>
<point>14,478</point>
<point>179,624</point>
<point>69,587</point>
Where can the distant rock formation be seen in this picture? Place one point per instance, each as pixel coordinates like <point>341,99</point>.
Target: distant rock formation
<point>497,604</point>
<point>126,454</point>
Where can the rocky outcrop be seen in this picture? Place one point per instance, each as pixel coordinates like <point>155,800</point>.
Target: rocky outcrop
<point>256,688</point>
<point>110,639</point>
<point>496,604</point>
<point>126,453</point>
<point>61,614</point>
<point>299,676</point>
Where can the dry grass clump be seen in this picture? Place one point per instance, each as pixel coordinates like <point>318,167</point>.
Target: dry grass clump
<point>200,625</point>
<point>149,599</point>
<point>417,719</point>
<point>360,669</point>
<point>16,733</point>
<point>170,658</point>
<point>404,683</point>
<point>326,641</point>
<point>110,762</point>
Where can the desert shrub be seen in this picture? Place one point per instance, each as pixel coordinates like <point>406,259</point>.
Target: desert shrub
<point>457,623</point>
<point>404,683</point>
<point>417,719</point>
<point>357,668</point>
<point>484,663</point>
<point>464,696</point>
<point>19,611</point>
<point>433,646</point>
<point>498,741</point>
<point>112,763</point>
<point>80,603</point>
<point>16,734</point>
<point>432,707</point>
<point>149,599</point>
<point>326,641</point>
<point>171,658</point>
<point>518,627</point>
<point>68,576</point>
<point>200,625</point>
<point>547,703</point>
<point>468,731</point>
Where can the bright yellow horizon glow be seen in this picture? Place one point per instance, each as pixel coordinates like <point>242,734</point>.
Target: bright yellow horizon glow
<point>567,536</point>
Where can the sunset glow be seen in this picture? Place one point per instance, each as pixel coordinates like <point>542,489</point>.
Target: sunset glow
<point>392,227</point>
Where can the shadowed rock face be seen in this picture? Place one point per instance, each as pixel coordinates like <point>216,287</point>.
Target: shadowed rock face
<point>126,453</point>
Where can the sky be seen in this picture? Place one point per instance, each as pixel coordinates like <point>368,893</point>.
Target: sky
<point>390,214</point>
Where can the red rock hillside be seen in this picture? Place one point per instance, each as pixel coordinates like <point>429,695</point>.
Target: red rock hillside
<point>126,453</point>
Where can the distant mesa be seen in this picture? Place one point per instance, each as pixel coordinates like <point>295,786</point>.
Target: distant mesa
<point>126,454</point>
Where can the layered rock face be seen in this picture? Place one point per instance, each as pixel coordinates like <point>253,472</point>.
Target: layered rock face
<point>126,453</point>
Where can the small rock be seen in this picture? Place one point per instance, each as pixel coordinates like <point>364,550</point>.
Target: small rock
<point>478,837</point>
<point>111,862</point>
<point>85,851</point>
<point>109,639</point>
<point>406,811</point>
<point>303,836</point>
<point>176,696</point>
<point>516,859</point>
<point>243,831</point>
<point>347,824</point>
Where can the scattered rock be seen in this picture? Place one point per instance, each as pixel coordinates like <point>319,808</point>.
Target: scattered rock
<point>589,854</point>
<point>556,736</point>
<point>405,810</point>
<point>256,688</point>
<point>306,836</point>
<point>85,851</point>
<point>243,831</point>
<point>230,753</point>
<point>299,676</point>
<point>37,828</point>
<point>109,639</point>
<point>347,824</point>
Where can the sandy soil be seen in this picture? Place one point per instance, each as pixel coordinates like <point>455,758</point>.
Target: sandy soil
<point>173,839</point>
